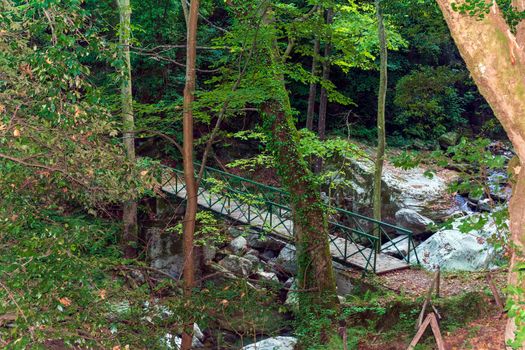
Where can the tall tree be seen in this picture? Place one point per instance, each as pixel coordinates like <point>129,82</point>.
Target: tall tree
<point>323,98</point>
<point>496,61</point>
<point>129,210</point>
<point>315,273</point>
<point>312,94</point>
<point>189,171</point>
<point>381,99</point>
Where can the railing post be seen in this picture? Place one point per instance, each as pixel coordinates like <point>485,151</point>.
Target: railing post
<point>408,251</point>
<point>375,254</point>
<point>271,214</point>
<point>346,248</point>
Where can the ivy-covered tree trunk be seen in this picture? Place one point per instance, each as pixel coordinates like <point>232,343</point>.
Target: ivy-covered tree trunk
<point>497,65</point>
<point>129,208</point>
<point>189,171</point>
<point>315,274</point>
<point>381,132</point>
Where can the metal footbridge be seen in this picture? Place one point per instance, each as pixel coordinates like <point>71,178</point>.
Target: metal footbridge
<point>353,238</point>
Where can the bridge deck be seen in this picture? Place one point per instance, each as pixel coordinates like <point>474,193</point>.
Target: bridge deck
<point>384,263</point>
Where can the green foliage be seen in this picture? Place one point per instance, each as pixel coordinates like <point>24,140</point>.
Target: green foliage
<point>208,230</point>
<point>52,119</point>
<point>480,8</point>
<point>429,102</point>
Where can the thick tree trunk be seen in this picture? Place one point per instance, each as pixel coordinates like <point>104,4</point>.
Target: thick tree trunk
<point>381,132</point>
<point>129,208</point>
<point>315,273</point>
<point>313,87</point>
<point>497,64</point>
<point>189,172</point>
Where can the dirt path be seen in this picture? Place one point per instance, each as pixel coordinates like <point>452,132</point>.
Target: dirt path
<point>415,282</point>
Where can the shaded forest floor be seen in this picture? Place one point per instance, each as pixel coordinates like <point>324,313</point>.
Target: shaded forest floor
<point>470,317</point>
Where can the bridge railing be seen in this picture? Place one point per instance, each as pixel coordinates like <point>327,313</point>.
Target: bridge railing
<point>353,236</point>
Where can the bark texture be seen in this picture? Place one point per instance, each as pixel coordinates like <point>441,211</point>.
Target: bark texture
<point>497,65</point>
<point>381,132</point>
<point>189,171</point>
<point>315,273</point>
<point>129,208</point>
<point>323,98</point>
<point>313,87</point>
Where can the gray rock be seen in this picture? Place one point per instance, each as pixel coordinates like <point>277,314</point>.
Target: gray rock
<point>175,342</point>
<point>209,252</point>
<point>171,264</point>
<point>237,265</point>
<point>276,343</point>
<point>238,244</point>
<point>449,139</point>
<point>253,252</point>
<point>412,220</point>
<point>254,259</point>
<point>235,231</point>
<point>485,205</point>
<point>410,189</point>
<point>396,246</point>
<point>268,276</point>
<point>287,259</point>
<point>292,298</point>
<point>452,250</point>
<point>264,242</point>
<point>343,282</point>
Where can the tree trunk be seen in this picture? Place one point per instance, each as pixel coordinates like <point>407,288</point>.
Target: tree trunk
<point>323,98</point>
<point>129,208</point>
<point>497,65</point>
<point>315,274</point>
<point>313,87</point>
<point>189,172</point>
<point>381,132</point>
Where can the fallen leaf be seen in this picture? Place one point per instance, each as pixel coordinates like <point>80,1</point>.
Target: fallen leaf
<point>102,294</point>
<point>65,301</point>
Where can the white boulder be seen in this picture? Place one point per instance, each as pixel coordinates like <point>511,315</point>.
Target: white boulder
<point>276,343</point>
<point>452,250</point>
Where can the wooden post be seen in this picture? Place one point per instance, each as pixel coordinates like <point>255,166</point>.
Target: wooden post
<point>438,281</point>
<point>432,320</point>
<point>433,284</point>
<point>495,292</point>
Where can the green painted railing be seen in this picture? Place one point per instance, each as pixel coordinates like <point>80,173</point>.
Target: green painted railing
<point>268,207</point>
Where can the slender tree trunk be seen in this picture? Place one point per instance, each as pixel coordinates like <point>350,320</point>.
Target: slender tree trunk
<point>323,98</point>
<point>129,208</point>
<point>184,5</point>
<point>189,172</point>
<point>381,132</point>
<point>313,87</point>
<point>497,65</point>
